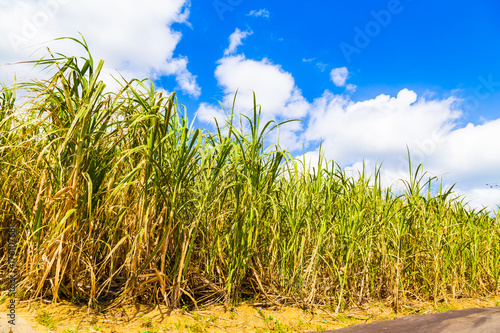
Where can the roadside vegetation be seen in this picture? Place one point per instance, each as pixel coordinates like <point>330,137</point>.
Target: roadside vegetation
<point>115,196</point>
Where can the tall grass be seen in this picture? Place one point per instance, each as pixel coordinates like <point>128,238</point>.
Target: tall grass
<point>116,196</point>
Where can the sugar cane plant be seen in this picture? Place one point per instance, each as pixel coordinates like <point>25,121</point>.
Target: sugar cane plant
<point>116,196</point>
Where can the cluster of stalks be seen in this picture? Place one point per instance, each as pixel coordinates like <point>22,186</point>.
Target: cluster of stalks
<point>115,196</point>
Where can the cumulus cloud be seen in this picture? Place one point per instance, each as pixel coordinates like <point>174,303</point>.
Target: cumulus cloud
<point>470,154</point>
<point>270,82</point>
<point>207,113</point>
<point>259,13</point>
<point>339,76</point>
<point>280,99</point>
<point>134,38</point>
<point>376,128</point>
<point>235,40</point>
<point>185,80</point>
<point>480,198</point>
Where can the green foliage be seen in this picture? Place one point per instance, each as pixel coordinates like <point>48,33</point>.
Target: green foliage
<point>146,322</point>
<point>45,319</point>
<point>115,195</point>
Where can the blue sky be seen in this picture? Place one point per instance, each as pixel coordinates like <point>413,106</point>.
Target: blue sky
<point>427,45</point>
<point>367,78</point>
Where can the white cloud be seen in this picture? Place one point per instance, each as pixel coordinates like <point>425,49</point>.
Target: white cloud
<point>275,91</point>
<point>479,198</point>
<point>184,78</point>
<point>256,13</point>
<point>271,83</point>
<point>470,154</point>
<point>235,40</point>
<point>351,88</point>
<point>376,128</point>
<point>207,113</point>
<point>134,38</point>
<point>339,76</point>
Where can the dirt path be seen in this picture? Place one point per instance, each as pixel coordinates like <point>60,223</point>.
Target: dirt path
<point>485,320</point>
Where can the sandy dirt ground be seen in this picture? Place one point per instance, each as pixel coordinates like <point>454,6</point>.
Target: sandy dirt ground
<point>135,318</point>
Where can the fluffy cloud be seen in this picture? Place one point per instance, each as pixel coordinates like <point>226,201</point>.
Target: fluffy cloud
<point>377,128</point>
<point>134,38</point>
<point>207,113</point>
<point>235,40</point>
<point>259,13</point>
<point>469,154</point>
<point>185,80</point>
<point>478,198</point>
<point>271,83</point>
<point>280,99</point>
<point>339,76</point>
